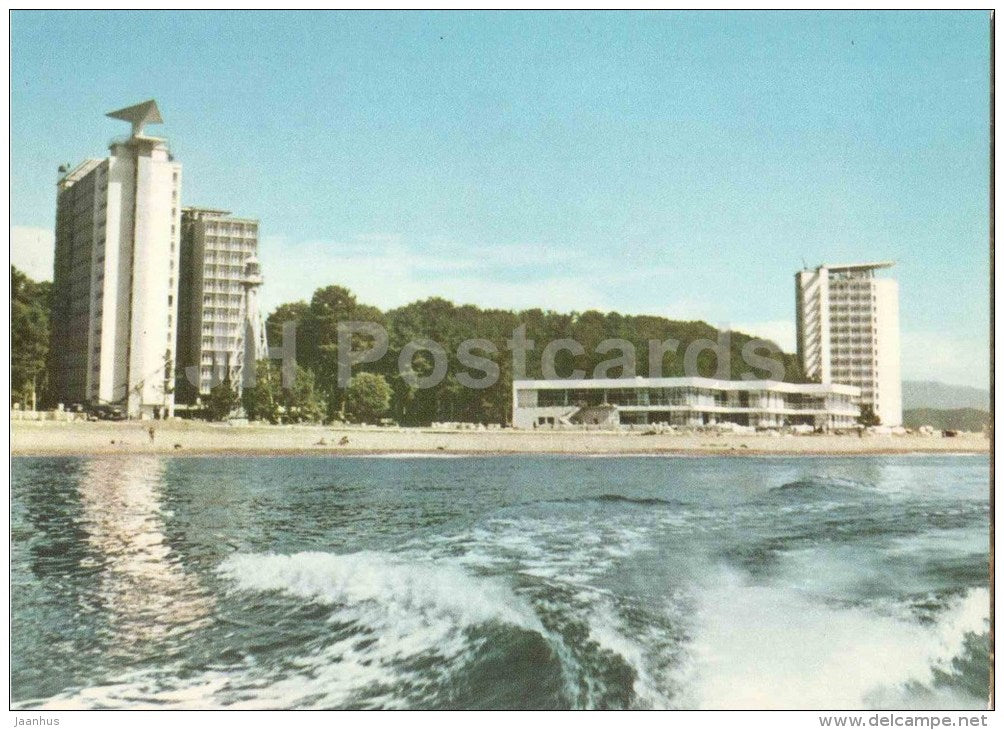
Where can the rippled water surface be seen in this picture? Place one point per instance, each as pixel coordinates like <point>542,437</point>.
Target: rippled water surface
<point>500,582</point>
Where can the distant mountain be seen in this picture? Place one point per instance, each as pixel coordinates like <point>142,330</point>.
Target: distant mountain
<point>931,394</point>
<point>959,419</point>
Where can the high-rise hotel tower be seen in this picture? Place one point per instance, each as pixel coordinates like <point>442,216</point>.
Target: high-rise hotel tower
<point>115,278</point>
<point>847,322</point>
<point>221,325</point>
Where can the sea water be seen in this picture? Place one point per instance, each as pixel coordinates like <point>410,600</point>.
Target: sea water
<point>500,582</point>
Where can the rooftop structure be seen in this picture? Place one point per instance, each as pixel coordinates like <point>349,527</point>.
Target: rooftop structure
<point>139,115</point>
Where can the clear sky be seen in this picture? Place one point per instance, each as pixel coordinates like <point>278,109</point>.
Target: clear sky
<point>681,164</point>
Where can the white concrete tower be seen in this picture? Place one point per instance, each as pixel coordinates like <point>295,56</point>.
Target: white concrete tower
<point>115,279</point>
<point>255,343</point>
<point>847,322</point>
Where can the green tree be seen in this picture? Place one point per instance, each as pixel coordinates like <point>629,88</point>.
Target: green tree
<point>304,402</point>
<point>29,337</point>
<point>262,400</point>
<point>868,416</point>
<point>221,401</point>
<point>367,397</point>
<point>317,338</point>
<point>296,312</point>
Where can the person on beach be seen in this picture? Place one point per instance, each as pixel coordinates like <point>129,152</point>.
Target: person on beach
<point>152,433</point>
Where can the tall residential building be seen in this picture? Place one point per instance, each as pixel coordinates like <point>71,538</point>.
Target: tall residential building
<point>220,327</point>
<point>847,321</point>
<point>115,277</point>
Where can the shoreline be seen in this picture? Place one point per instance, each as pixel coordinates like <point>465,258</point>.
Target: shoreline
<point>201,439</point>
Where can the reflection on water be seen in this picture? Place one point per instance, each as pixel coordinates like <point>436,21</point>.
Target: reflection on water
<point>509,582</point>
<point>144,591</point>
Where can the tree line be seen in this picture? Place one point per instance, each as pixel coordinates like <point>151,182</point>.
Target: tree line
<point>378,389</point>
<point>449,324</point>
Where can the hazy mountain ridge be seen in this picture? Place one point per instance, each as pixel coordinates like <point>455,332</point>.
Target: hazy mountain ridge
<point>959,419</point>
<point>930,394</point>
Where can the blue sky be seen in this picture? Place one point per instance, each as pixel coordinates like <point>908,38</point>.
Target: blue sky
<point>682,164</point>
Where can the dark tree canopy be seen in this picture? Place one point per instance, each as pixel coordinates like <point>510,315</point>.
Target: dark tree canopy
<point>449,325</point>
<point>367,397</point>
<point>222,401</point>
<point>868,416</point>
<point>29,331</point>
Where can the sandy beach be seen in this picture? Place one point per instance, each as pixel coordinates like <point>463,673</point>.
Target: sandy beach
<point>199,438</point>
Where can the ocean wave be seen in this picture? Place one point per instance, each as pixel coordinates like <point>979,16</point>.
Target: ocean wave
<point>416,620</point>
<point>820,488</point>
<point>384,580</point>
<point>770,647</point>
<point>618,499</point>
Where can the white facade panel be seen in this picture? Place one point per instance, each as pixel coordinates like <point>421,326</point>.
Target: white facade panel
<point>114,313</point>
<point>889,387</point>
<point>682,402</point>
<point>848,332</point>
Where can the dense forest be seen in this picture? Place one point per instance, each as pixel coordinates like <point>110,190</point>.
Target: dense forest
<point>449,325</point>
<point>319,394</point>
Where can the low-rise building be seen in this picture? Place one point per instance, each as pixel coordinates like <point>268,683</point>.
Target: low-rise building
<point>682,402</point>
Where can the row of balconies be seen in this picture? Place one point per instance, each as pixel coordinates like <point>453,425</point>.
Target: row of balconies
<point>844,350</point>
<point>219,343</point>
<point>217,239</point>
<point>842,340</point>
<point>214,259</point>
<point>230,228</point>
<point>233,247</point>
<point>220,286</point>
<point>231,270</point>
<point>852,336</point>
<point>219,314</point>
<point>837,313</point>
<point>852,302</point>
<point>837,322</point>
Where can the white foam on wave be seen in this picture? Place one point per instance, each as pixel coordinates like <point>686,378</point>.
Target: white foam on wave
<point>769,647</point>
<point>606,628</point>
<point>577,558</point>
<point>408,609</point>
<point>386,582</point>
<point>397,610</point>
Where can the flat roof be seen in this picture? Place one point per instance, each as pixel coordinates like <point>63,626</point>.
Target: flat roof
<point>684,382</point>
<point>80,170</point>
<point>197,209</point>
<point>858,267</point>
